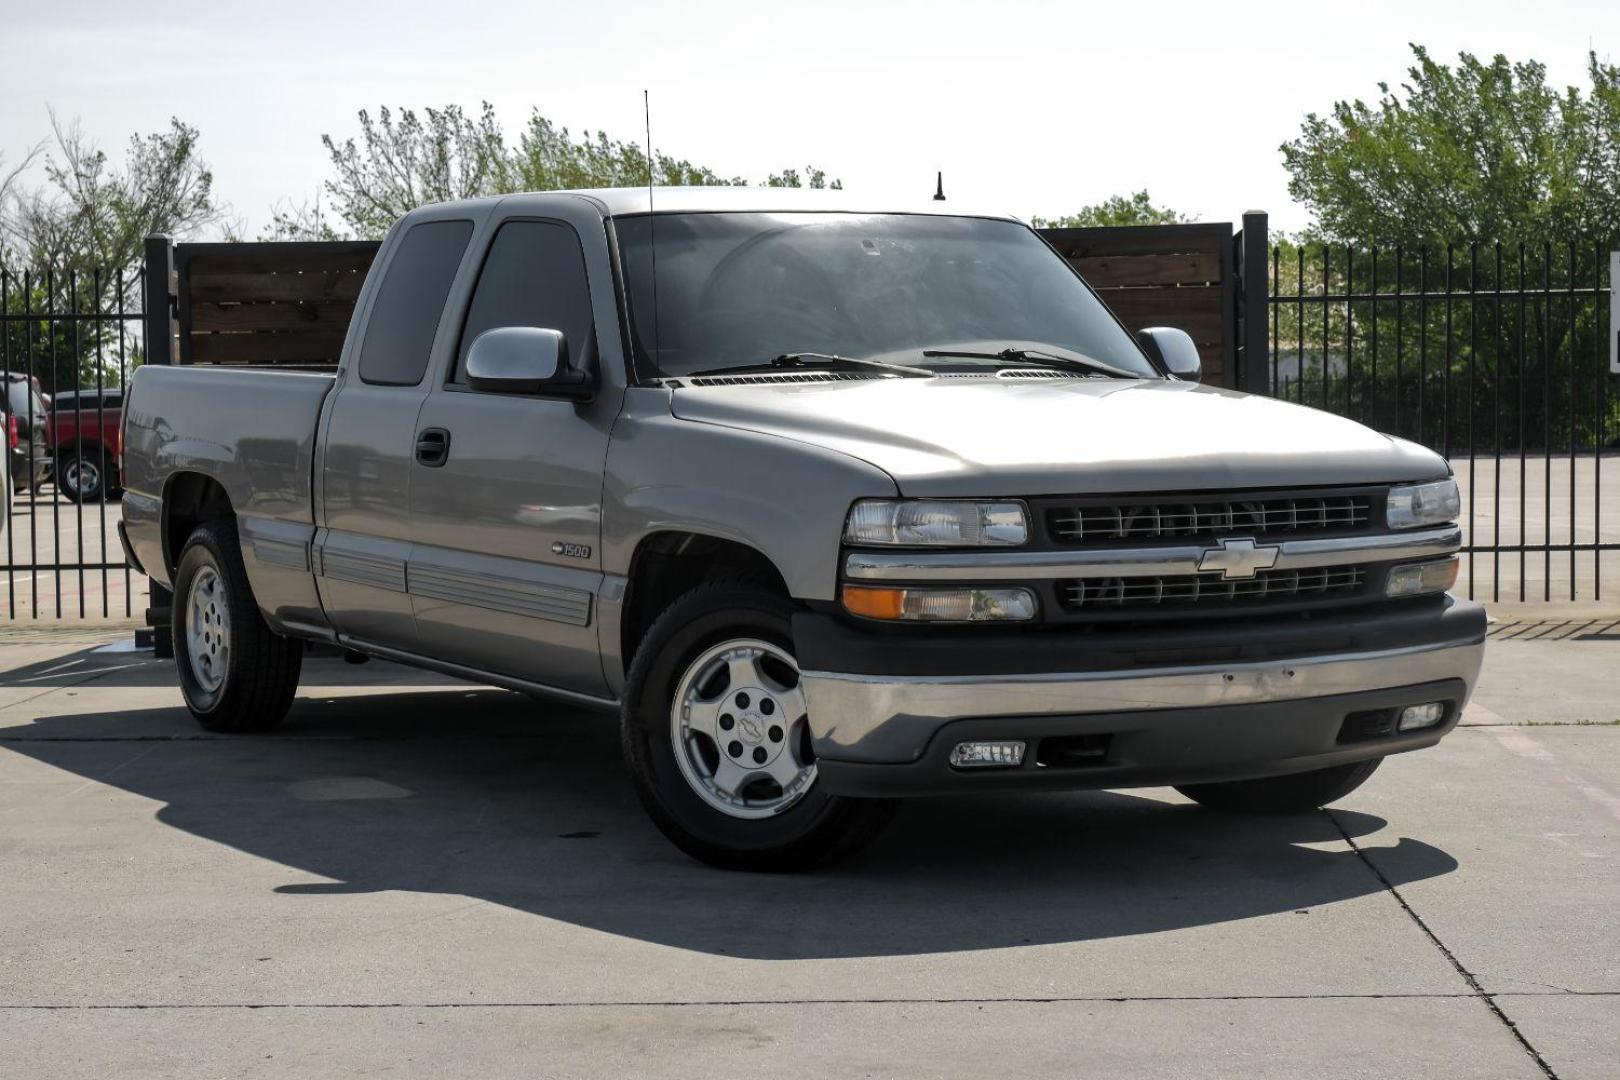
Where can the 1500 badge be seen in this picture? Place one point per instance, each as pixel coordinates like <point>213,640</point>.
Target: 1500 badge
<point>572,551</point>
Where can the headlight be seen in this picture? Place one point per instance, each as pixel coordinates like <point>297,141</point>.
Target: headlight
<point>940,605</point>
<point>930,523</point>
<point>1423,504</point>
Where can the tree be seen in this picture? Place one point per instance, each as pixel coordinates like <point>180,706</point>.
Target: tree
<point>400,162</point>
<point>813,178</point>
<point>1479,152</point>
<point>93,213</point>
<point>72,244</point>
<point>1134,209</point>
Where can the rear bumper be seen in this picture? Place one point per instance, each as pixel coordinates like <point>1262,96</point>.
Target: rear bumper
<point>1168,718</point>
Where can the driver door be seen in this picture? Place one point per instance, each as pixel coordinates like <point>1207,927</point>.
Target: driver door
<point>506,523</point>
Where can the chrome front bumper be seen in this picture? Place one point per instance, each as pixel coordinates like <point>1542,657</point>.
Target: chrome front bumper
<point>892,718</point>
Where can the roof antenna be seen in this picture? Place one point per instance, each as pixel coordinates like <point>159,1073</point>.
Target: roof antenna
<point>939,186</point>
<point>652,225</point>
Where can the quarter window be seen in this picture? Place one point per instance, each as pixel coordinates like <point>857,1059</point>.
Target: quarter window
<point>399,333</point>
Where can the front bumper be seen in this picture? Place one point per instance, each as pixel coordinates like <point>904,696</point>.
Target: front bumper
<point>886,710</point>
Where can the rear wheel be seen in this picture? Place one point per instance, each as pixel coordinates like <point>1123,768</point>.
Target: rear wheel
<point>717,738</point>
<point>1291,794</point>
<point>237,675</point>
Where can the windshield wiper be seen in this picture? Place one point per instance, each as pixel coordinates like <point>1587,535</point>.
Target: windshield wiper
<point>1037,358</point>
<point>816,360</point>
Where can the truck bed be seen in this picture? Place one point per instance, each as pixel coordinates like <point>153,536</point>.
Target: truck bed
<point>250,430</point>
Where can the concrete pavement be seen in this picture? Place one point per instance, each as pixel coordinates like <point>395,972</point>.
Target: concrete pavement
<point>426,878</point>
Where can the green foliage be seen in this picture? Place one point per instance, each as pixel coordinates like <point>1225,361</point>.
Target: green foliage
<point>87,224</point>
<point>1134,209</point>
<point>1459,346</point>
<point>813,178</point>
<point>91,212</point>
<point>401,161</point>
<point>1479,152</point>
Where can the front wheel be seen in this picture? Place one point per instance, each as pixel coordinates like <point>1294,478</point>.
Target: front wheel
<point>84,475</point>
<point>716,734</point>
<point>1294,793</point>
<point>237,675</point>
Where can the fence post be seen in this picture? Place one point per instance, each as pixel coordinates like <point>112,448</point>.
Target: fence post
<point>158,313</point>
<point>1253,304</point>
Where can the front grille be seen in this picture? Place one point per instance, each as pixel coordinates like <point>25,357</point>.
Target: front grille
<point>1207,517</point>
<point>1198,590</point>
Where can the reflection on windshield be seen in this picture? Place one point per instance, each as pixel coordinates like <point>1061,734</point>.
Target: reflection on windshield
<point>740,288</point>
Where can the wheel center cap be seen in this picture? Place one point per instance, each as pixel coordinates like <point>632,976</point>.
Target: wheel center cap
<point>751,728</point>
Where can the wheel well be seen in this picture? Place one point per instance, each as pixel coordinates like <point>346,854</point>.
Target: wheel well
<point>668,564</point>
<point>190,500</point>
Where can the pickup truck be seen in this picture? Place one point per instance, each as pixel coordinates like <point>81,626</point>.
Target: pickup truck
<point>84,431</point>
<point>833,503</point>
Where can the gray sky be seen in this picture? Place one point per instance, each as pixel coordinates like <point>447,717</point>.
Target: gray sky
<point>1039,108</point>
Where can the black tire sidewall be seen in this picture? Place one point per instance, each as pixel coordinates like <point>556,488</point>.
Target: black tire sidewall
<point>699,620</point>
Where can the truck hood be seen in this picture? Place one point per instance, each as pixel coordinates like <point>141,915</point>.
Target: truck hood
<point>989,435</point>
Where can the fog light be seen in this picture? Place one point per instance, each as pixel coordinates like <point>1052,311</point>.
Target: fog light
<point>1416,717</point>
<point>1004,753</point>
<point>1417,579</point>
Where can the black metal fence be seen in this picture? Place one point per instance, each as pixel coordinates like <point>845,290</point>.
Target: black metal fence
<point>1496,355</point>
<point>66,338</point>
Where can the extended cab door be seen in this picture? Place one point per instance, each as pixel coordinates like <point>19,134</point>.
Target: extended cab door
<point>368,440</point>
<point>506,561</point>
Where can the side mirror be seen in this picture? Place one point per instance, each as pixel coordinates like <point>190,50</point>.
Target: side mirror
<point>524,360</point>
<point>1174,349</point>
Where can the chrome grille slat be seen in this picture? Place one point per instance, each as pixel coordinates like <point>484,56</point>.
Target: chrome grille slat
<point>1259,516</point>
<point>1084,594</point>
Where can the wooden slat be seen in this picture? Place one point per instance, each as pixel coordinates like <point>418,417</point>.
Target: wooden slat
<point>1198,299</point>
<point>257,260</point>
<point>331,285</point>
<point>309,348</point>
<point>332,315</point>
<point>1139,239</point>
<point>1112,271</point>
<point>1205,329</point>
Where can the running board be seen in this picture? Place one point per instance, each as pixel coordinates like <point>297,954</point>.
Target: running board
<point>506,682</point>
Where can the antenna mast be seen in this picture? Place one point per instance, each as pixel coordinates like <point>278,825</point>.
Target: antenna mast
<point>652,223</point>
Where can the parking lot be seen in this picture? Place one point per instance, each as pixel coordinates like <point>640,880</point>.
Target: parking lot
<point>423,878</point>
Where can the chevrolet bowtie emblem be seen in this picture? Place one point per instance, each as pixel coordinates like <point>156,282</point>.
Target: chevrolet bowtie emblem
<point>1238,558</point>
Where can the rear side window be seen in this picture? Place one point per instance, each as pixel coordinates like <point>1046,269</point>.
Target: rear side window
<point>399,333</point>
<point>534,275</point>
<point>22,400</point>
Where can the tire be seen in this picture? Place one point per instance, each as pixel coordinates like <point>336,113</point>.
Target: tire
<point>761,824</point>
<point>1294,793</point>
<point>84,475</point>
<point>237,675</point>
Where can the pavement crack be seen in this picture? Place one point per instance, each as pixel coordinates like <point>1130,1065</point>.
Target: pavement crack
<point>1078,999</point>
<point>1478,991</point>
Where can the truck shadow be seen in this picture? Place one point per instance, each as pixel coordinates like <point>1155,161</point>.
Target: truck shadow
<point>485,794</point>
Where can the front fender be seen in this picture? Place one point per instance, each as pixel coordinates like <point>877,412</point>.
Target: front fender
<point>786,499</point>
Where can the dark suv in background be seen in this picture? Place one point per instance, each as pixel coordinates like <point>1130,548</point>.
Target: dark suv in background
<point>27,417</point>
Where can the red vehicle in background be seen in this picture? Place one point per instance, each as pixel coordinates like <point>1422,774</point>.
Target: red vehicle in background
<point>85,432</point>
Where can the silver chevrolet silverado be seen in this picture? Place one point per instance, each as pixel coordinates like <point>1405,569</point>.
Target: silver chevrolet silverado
<point>831,503</point>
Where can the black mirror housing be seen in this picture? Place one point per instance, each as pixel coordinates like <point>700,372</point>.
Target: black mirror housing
<point>1174,350</point>
<point>525,360</point>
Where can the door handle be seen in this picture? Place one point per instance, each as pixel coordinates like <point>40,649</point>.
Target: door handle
<point>433,447</point>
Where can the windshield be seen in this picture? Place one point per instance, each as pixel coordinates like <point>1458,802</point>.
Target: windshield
<point>740,288</point>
